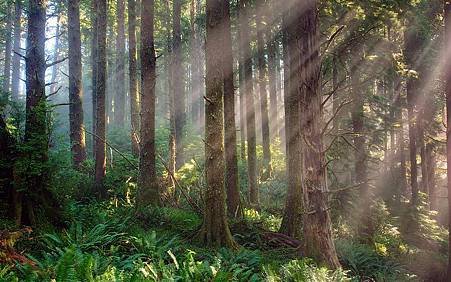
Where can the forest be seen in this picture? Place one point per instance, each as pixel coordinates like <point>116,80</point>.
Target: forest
<point>225,140</point>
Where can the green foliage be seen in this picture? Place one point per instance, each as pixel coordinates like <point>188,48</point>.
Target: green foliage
<point>303,270</point>
<point>364,262</point>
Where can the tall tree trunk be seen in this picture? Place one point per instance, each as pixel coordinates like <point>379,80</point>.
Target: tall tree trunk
<point>77,133</point>
<point>272,69</point>
<point>197,83</point>
<point>215,229</point>
<point>360,155</point>
<point>447,74</point>
<point>178,82</point>
<point>410,52</point>
<point>241,82</point>
<point>36,131</point>
<point>292,218</point>
<point>16,58</point>
<point>56,51</point>
<point>101,79</point>
<point>147,183</point>
<point>231,172</point>
<point>431,167</point>
<point>119,101</point>
<point>94,40</point>
<point>262,82</point>
<point>317,224</point>
<point>245,11</point>
<point>133,80</point>
<point>8,47</point>
<point>169,69</point>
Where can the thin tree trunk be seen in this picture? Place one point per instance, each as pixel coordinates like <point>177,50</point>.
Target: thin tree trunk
<point>215,230</point>
<point>360,155</point>
<point>119,101</point>
<point>94,39</point>
<point>245,11</point>
<point>411,48</point>
<point>77,134</point>
<point>16,58</point>
<point>178,83</point>
<point>231,172</point>
<point>148,192</point>
<point>431,167</point>
<point>318,242</point>
<point>262,82</point>
<point>133,80</point>
<point>241,82</point>
<point>101,79</point>
<point>447,74</point>
<point>56,52</point>
<point>8,47</point>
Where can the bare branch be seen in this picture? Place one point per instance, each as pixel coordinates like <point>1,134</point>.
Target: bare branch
<point>56,62</point>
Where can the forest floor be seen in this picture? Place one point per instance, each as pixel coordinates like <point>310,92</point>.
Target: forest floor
<point>110,241</point>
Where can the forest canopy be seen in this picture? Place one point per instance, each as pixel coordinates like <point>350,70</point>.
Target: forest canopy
<point>218,140</point>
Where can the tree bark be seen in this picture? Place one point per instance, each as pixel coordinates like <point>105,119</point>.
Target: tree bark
<point>262,82</point>
<point>119,101</point>
<point>178,83</point>
<point>133,72</point>
<point>317,224</point>
<point>94,38</point>
<point>241,82</point>
<point>447,74</point>
<point>101,79</point>
<point>77,133</point>
<point>215,230</point>
<point>148,192</point>
<point>56,51</point>
<point>8,47</point>
<point>231,172</point>
<point>412,42</point>
<point>245,11</point>
<point>272,75</point>
<point>360,163</point>
<point>16,58</point>
<point>292,219</point>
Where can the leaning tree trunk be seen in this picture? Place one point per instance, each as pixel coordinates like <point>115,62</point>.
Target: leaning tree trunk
<point>119,101</point>
<point>16,58</point>
<point>317,224</point>
<point>133,80</point>
<point>231,175</point>
<point>215,230</point>
<point>77,134</point>
<point>262,82</point>
<point>245,11</point>
<point>292,218</point>
<point>100,146</point>
<point>148,188</point>
<point>8,47</point>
